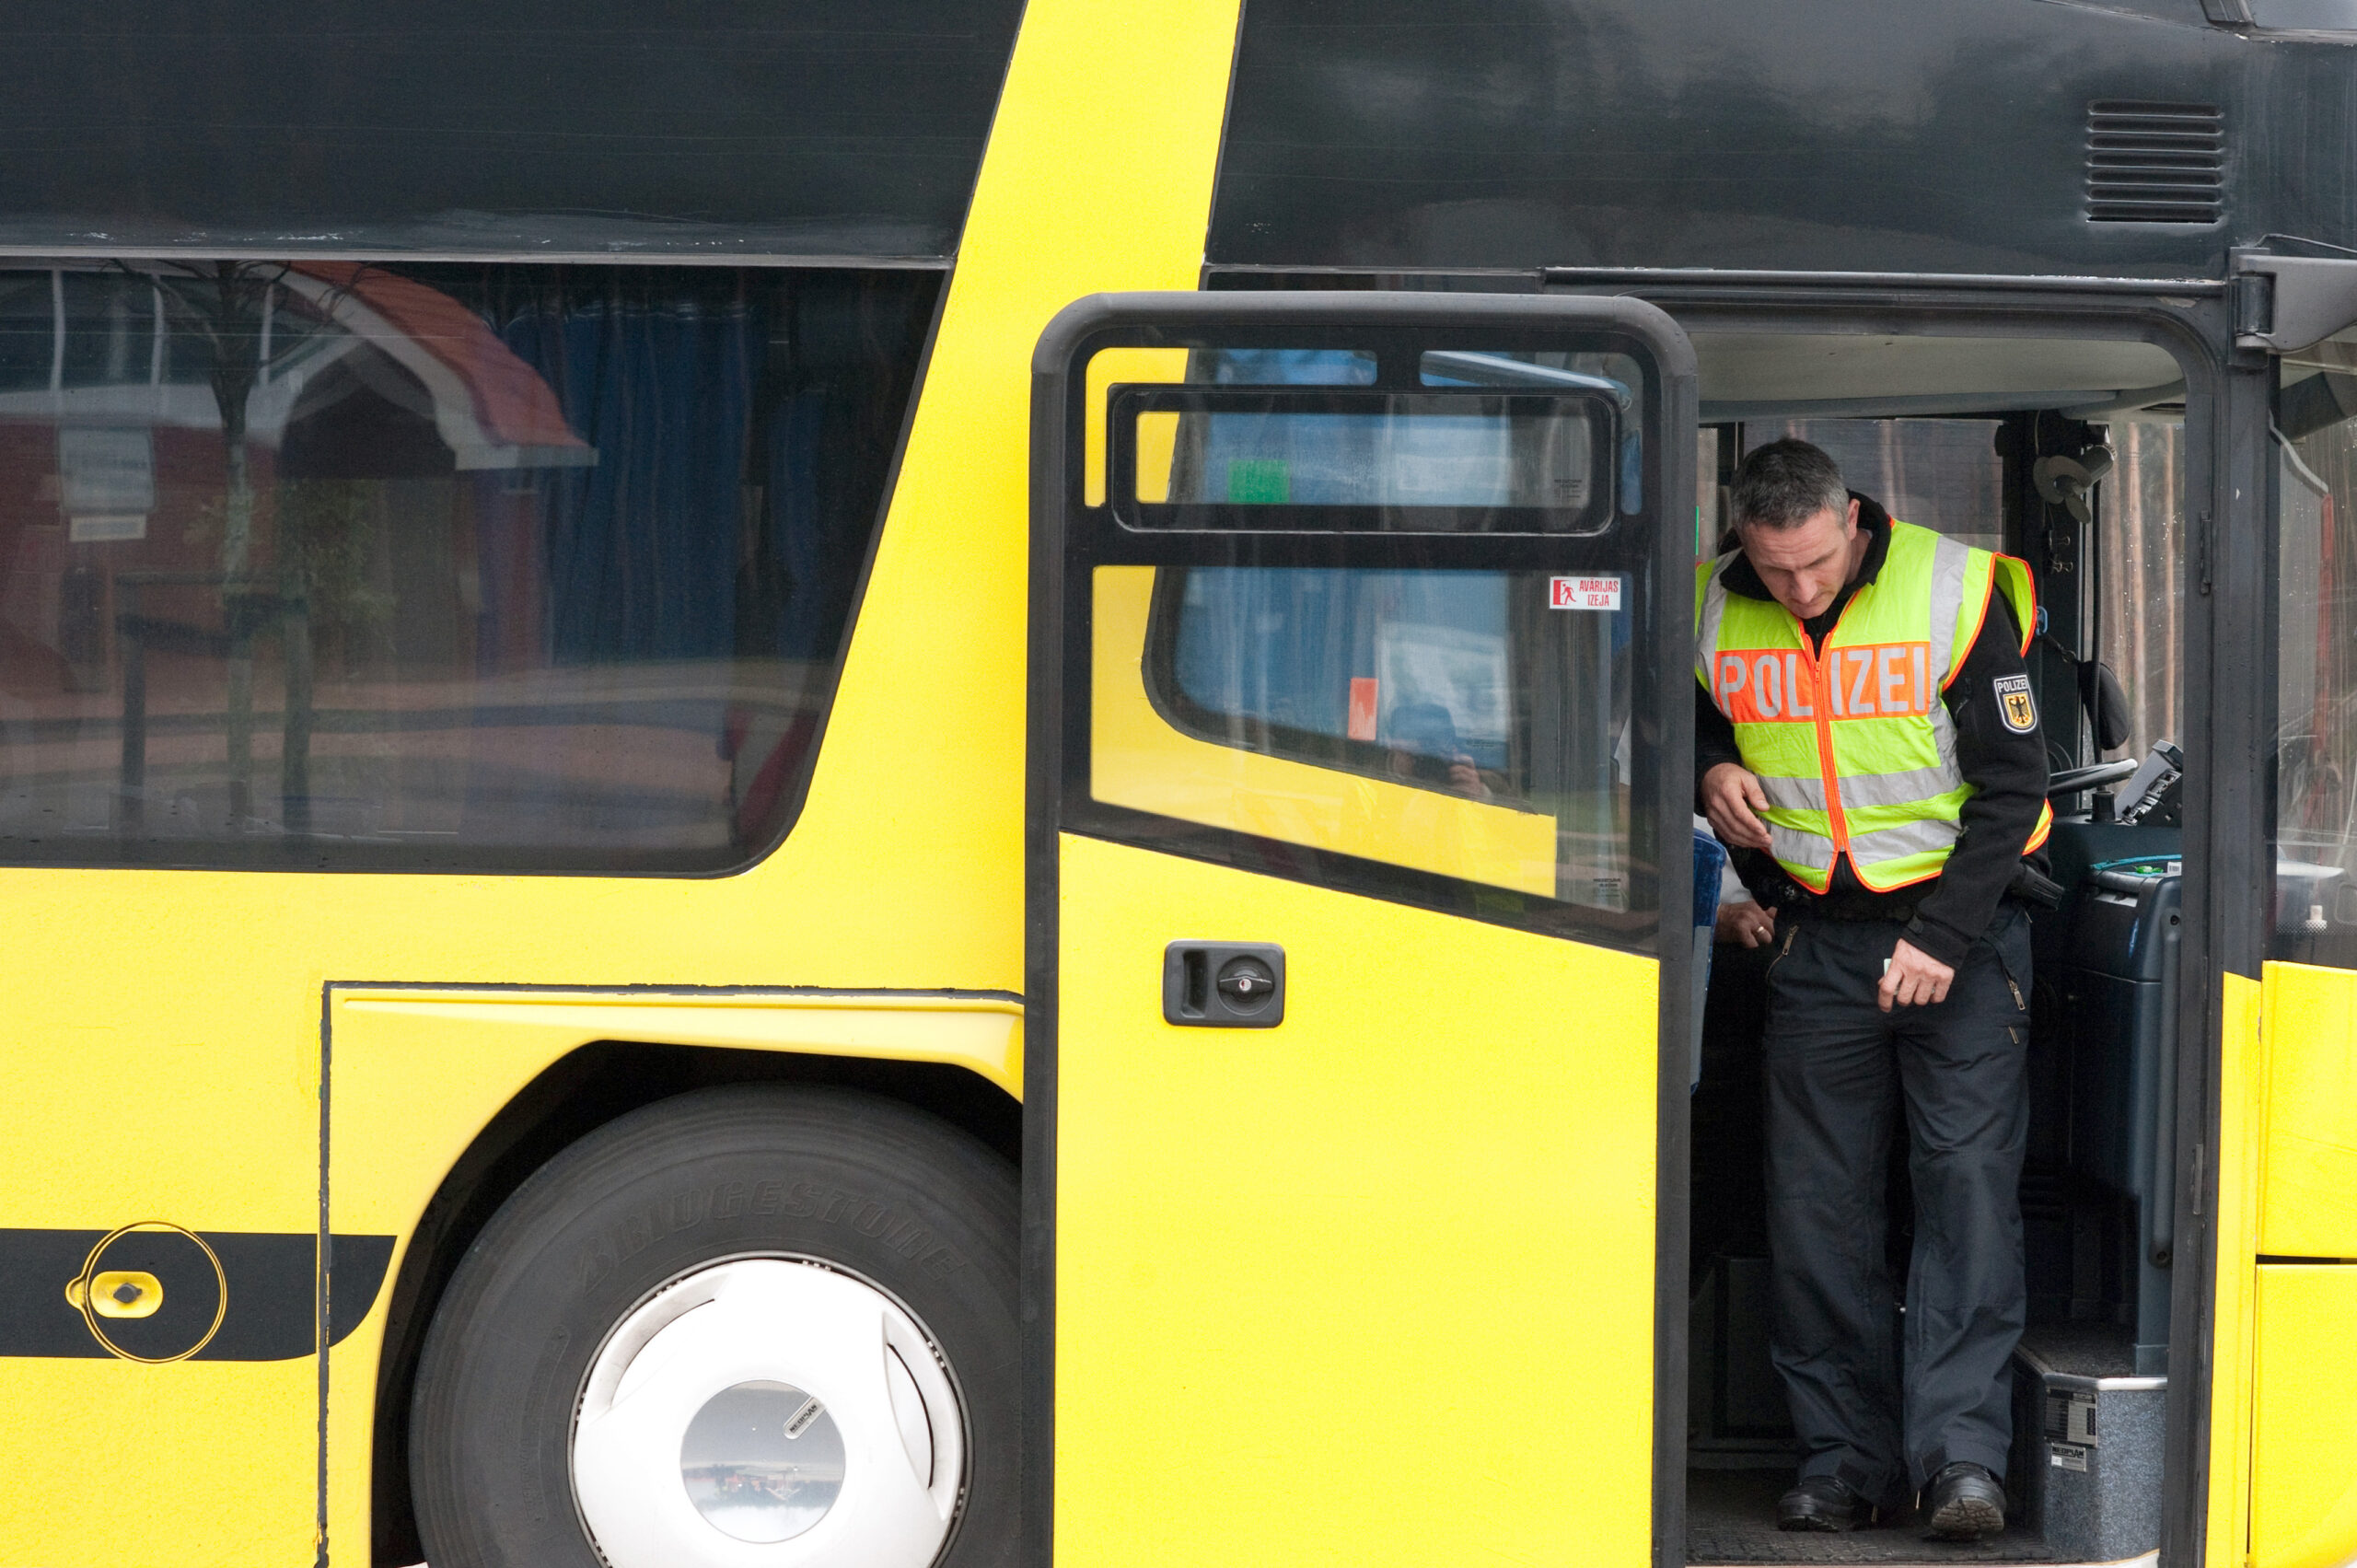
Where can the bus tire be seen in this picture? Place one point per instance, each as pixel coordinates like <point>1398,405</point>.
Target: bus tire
<point>770,1234</point>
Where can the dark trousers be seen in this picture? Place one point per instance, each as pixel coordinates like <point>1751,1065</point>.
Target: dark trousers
<point>1837,1070</point>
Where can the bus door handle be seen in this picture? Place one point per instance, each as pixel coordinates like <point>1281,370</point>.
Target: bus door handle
<point>1223,985</point>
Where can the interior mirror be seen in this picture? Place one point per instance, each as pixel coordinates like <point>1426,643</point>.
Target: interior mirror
<point>2068,482</point>
<point>2316,403</point>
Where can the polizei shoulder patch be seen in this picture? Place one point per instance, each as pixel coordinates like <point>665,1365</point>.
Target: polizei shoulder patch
<point>2014,705</point>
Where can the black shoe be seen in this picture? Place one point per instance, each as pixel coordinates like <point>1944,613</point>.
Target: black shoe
<point>1820,1503</point>
<point>1965,1503</point>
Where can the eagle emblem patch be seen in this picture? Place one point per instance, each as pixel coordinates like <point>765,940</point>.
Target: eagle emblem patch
<point>2014,705</point>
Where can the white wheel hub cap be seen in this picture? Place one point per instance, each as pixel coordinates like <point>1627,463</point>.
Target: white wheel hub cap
<point>768,1415</point>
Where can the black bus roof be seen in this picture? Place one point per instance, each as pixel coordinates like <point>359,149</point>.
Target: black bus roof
<point>2122,137</point>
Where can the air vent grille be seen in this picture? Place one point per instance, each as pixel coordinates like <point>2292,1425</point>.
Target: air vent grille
<point>2155,162</point>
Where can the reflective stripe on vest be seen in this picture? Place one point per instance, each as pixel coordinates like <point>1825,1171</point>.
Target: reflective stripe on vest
<point>1853,745</point>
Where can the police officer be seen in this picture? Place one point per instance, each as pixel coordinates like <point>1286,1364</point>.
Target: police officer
<point>1869,751</point>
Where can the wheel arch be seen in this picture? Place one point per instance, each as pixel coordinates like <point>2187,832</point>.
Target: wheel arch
<point>573,1097</point>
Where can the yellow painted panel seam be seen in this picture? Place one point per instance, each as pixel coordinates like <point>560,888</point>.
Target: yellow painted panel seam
<point>985,1036</point>
<point>2240,1091</point>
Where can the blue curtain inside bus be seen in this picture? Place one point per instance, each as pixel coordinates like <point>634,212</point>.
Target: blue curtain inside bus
<point>641,549</point>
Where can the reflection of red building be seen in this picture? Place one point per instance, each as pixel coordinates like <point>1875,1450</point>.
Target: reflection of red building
<point>372,377</point>
<point>486,409</point>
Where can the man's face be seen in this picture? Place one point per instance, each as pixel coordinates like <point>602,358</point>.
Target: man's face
<point>1806,565</point>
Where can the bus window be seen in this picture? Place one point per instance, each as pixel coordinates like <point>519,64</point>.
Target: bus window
<point>1285,366</point>
<point>1941,474</point>
<point>2140,558</point>
<point>2315,800</point>
<point>1466,725</point>
<point>430,567</point>
<point>1552,451</point>
<point>1405,462</point>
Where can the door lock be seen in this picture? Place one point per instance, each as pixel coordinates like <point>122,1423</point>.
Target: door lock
<point>1223,985</point>
<point>119,1293</point>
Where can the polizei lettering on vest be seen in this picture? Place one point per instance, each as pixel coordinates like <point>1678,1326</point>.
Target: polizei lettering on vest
<point>1881,681</point>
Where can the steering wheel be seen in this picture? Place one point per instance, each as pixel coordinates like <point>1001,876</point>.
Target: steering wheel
<point>2073,781</point>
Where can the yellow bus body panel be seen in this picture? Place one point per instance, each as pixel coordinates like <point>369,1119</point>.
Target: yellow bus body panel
<point>1372,1286</point>
<point>2310,1197</point>
<point>163,1028</point>
<point>2284,1390</point>
<point>2304,1417</point>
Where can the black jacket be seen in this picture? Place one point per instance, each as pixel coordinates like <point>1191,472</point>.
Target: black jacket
<point>1946,915</point>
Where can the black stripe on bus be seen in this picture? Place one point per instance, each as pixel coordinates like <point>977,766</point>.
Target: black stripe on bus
<point>268,1314</point>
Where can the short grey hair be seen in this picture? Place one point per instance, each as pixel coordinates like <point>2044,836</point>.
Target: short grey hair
<point>1784,484</point>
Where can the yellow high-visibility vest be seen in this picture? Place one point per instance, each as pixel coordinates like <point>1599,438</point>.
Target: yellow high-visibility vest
<point>1853,745</point>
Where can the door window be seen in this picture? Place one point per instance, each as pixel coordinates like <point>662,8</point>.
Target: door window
<point>1461,721</point>
<point>1370,614</point>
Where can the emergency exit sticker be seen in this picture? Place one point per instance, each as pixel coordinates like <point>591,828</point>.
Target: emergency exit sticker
<point>1583,593</point>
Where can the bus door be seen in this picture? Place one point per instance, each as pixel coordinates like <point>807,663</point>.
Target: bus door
<point>2284,1406</point>
<point>1358,925</point>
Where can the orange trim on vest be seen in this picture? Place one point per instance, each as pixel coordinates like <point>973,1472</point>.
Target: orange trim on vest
<point>2029,628</point>
<point>1836,820</point>
<point>1902,882</point>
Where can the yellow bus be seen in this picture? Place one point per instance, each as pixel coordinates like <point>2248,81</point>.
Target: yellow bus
<point>908,782</point>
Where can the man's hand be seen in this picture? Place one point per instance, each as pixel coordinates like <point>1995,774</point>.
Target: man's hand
<point>1466,779</point>
<point>1914,979</point>
<point>1747,923</point>
<point>1732,799</point>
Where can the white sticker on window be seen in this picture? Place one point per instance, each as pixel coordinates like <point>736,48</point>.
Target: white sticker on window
<point>1583,593</point>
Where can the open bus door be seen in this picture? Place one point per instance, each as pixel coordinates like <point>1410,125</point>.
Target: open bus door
<point>1359,935</point>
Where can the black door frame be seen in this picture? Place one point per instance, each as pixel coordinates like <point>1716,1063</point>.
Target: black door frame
<point>2229,674</point>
